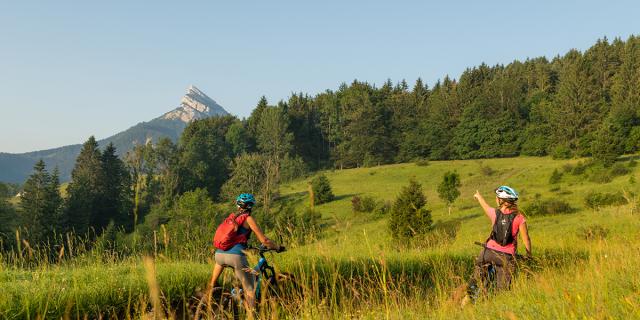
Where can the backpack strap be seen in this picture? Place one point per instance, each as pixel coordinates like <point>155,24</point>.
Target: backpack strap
<point>499,215</point>
<point>239,220</point>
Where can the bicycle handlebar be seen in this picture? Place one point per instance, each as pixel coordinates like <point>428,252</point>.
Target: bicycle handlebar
<point>518,256</point>
<point>263,249</point>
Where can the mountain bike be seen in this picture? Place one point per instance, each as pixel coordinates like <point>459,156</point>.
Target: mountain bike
<point>270,286</point>
<point>488,276</point>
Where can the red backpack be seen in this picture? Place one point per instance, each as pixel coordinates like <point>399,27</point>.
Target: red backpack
<point>227,233</point>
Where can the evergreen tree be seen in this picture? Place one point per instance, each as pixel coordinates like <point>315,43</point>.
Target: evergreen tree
<point>409,217</point>
<point>305,124</point>
<point>84,190</point>
<point>8,223</point>
<point>40,204</point>
<point>115,201</point>
<point>577,104</point>
<point>607,145</point>
<point>625,97</point>
<point>321,188</point>
<point>55,202</point>
<point>254,122</point>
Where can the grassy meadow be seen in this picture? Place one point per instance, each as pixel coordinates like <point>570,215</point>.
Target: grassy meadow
<point>586,266</point>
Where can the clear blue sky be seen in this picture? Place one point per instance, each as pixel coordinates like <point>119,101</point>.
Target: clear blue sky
<point>69,70</point>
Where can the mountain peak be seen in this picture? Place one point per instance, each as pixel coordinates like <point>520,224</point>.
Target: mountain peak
<point>195,104</point>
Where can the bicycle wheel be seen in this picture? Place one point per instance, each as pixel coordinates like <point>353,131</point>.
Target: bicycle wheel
<point>222,305</point>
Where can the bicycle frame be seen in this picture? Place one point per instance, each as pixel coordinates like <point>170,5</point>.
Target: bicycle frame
<point>263,269</point>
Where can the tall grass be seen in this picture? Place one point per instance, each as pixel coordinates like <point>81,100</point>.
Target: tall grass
<point>355,270</point>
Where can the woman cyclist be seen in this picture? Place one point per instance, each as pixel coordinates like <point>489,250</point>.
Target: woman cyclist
<point>500,249</point>
<point>235,257</point>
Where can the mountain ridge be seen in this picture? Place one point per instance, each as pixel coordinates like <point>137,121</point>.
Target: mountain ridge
<point>194,105</point>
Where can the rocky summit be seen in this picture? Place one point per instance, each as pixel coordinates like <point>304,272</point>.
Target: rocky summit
<point>195,105</point>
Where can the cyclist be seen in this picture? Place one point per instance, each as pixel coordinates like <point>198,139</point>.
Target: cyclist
<point>235,257</point>
<point>500,249</point>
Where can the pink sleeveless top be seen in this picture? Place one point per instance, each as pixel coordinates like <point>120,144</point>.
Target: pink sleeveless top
<point>510,248</point>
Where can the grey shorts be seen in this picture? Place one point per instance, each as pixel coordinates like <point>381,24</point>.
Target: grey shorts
<point>238,263</point>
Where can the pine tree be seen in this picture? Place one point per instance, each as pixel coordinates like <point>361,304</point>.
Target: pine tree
<point>41,203</point>
<point>84,190</point>
<point>606,146</point>
<point>625,98</point>
<point>55,202</point>
<point>321,189</point>
<point>577,104</point>
<point>116,197</point>
<point>254,119</point>
<point>409,217</point>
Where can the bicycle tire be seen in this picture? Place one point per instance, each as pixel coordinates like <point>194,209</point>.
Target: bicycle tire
<point>221,306</point>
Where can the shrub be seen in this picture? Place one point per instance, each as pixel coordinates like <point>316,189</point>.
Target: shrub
<point>593,232</point>
<point>541,207</point>
<point>321,189</point>
<point>356,204</point>
<point>382,208</point>
<point>486,170</point>
<point>561,152</point>
<point>556,176</point>
<point>597,199</point>
<point>579,168</point>
<point>409,217</point>
<point>600,176</point>
<point>364,204</point>
<point>619,169</point>
<point>567,168</point>
<point>557,207</point>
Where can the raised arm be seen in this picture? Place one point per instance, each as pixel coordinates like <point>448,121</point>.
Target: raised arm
<point>253,225</point>
<point>525,237</point>
<point>485,206</point>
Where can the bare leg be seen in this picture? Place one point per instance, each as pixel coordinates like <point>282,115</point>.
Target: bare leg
<point>217,270</point>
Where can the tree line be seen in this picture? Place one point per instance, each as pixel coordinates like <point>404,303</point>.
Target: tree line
<point>579,104</point>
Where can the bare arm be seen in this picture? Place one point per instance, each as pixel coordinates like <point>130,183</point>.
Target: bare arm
<point>485,206</point>
<point>525,237</point>
<point>253,225</point>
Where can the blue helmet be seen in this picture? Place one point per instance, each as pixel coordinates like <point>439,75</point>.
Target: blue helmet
<point>245,200</point>
<point>506,193</point>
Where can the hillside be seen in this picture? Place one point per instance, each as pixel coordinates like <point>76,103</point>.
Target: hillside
<point>586,259</point>
<point>195,104</point>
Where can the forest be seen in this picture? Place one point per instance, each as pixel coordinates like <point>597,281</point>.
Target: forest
<point>581,104</point>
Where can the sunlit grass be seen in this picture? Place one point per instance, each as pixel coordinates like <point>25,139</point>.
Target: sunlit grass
<point>355,269</point>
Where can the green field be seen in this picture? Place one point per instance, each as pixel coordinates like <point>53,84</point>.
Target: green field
<point>587,261</point>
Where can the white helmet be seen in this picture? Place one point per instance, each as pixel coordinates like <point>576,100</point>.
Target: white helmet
<point>506,193</point>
